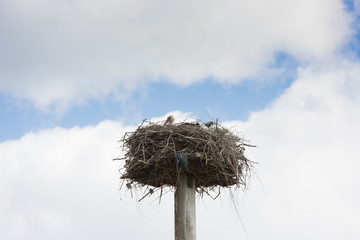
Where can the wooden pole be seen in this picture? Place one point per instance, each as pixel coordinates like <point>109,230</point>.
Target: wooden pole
<point>185,211</point>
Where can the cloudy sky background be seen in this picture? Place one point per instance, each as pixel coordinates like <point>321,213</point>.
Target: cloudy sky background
<point>76,75</point>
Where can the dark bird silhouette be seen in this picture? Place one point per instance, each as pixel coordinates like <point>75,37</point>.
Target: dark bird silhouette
<point>209,124</point>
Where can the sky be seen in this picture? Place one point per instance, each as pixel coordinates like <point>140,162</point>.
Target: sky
<point>76,75</point>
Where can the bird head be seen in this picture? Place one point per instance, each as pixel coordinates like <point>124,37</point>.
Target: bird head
<point>170,120</point>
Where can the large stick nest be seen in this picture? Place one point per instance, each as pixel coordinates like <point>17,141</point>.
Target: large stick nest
<point>215,155</point>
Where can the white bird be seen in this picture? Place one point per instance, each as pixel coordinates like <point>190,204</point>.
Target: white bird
<point>170,120</point>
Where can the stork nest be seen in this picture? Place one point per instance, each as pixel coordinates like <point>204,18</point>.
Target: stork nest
<point>215,155</point>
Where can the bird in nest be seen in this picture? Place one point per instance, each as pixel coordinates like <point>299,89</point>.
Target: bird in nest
<point>170,120</point>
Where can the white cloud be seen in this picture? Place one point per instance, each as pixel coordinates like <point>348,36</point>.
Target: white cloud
<point>65,52</point>
<point>61,183</point>
<point>56,179</point>
<point>307,149</point>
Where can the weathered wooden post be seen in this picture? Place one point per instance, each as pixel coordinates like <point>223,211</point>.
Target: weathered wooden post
<point>185,208</point>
